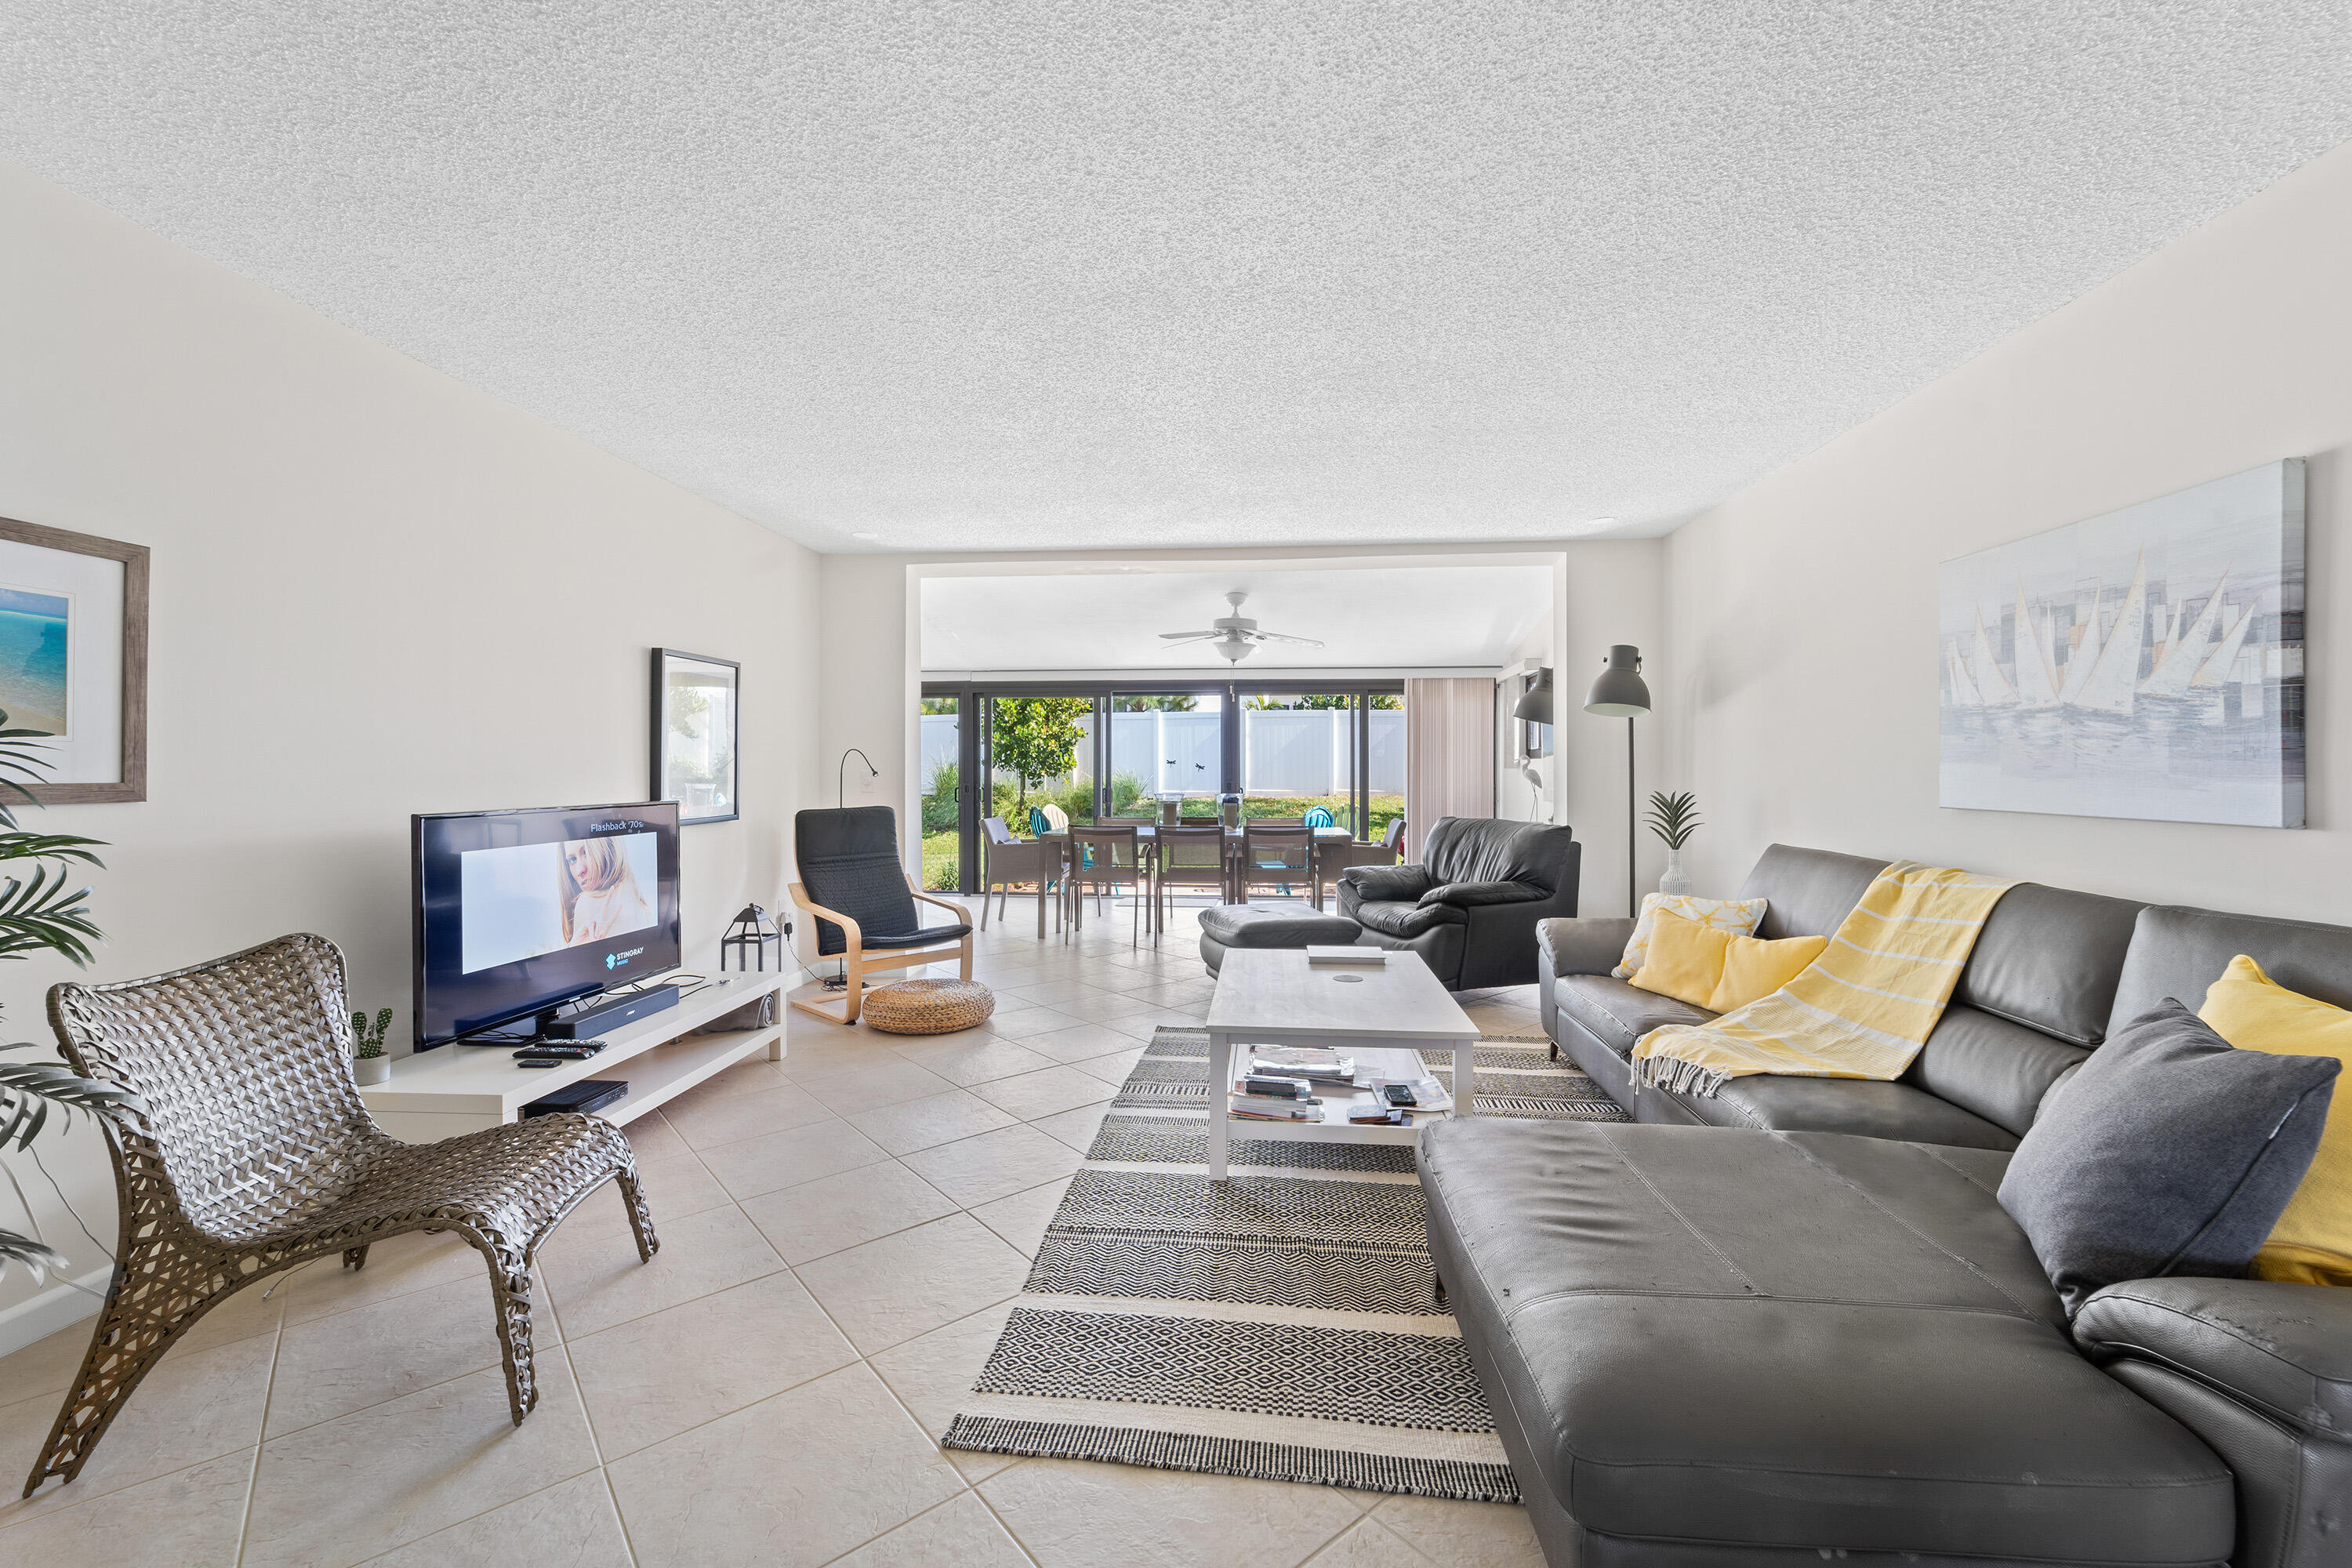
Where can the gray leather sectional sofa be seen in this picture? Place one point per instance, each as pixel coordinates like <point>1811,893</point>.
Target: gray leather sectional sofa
<point>1793,1324</point>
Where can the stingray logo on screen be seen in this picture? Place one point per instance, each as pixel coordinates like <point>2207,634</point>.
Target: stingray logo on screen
<point>616,959</point>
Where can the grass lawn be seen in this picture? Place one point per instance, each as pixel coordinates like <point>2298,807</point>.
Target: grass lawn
<point>940,861</point>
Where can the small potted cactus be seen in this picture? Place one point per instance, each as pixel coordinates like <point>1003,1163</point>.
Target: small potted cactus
<point>369,1064</point>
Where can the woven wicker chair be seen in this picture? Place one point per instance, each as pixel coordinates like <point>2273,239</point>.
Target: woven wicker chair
<point>254,1154</point>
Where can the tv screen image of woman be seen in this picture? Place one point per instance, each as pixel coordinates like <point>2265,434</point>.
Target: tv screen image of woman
<point>524,900</point>
<point>602,890</point>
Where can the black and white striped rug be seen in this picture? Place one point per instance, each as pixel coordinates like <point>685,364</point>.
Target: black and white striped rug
<point>1284,1326</point>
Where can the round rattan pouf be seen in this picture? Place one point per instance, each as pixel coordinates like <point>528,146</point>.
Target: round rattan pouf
<point>928,1007</point>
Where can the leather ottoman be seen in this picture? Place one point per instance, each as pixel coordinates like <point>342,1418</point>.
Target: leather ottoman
<point>1270,925</point>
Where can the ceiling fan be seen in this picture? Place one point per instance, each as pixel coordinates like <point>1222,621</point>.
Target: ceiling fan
<point>1236,636</point>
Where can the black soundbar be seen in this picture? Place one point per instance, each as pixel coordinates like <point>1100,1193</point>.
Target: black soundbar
<point>593,1016</point>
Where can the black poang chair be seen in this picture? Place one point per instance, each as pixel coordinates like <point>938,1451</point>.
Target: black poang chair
<point>856,890</point>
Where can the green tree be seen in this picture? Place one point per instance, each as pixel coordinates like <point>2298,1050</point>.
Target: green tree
<point>1326,701</point>
<point>1175,703</point>
<point>1037,738</point>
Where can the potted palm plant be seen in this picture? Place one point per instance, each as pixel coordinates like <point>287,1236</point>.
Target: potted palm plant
<point>1674,818</point>
<point>41,910</point>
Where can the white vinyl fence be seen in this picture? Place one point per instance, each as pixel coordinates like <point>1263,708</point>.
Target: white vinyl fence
<point>1302,751</point>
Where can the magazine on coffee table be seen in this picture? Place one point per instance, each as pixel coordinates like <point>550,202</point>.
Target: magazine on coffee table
<point>1316,1063</point>
<point>1429,1093</point>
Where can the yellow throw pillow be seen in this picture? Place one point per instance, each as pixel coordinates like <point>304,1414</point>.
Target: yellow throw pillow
<point>2312,1243</point>
<point>1753,968</point>
<point>1732,917</point>
<point>1684,961</point>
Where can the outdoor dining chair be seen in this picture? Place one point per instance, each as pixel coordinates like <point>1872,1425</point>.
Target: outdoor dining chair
<point>1277,857</point>
<point>1107,860</point>
<point>1192,857</point>
<point>1012,859</point>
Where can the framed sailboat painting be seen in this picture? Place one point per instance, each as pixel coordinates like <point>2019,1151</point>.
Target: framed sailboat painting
<point>2148,663</point>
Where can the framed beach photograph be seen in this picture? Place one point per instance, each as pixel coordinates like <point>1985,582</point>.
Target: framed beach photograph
<point>73,657</point>
<point>696,720</point>
<point>2147,663</point>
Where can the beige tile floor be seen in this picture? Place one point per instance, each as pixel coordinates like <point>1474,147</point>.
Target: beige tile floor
<point>843,1234</point>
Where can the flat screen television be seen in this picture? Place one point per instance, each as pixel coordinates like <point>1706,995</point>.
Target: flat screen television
<point>519,911</point>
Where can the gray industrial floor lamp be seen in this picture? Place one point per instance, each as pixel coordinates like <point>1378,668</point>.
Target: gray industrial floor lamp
<point>1622,693</point>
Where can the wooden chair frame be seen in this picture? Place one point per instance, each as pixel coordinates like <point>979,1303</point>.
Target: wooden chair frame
<point>859,964</point>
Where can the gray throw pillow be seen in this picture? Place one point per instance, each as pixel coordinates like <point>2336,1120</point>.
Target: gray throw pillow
<point>2170,1151</point>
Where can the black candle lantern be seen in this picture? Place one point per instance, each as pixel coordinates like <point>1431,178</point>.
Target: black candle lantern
<point>752,934</point>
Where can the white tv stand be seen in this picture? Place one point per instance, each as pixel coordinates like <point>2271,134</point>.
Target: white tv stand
<point>457,1088</point>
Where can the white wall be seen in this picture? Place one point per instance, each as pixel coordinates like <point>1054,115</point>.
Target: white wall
<point>376,592</point>
<point>1608,592</point>
<point>1802,613</point>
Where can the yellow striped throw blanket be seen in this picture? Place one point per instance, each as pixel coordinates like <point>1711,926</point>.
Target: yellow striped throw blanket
<point>1863,1009</point>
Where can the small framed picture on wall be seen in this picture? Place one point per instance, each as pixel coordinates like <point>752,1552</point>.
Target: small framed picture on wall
<point>73,658</point>
<point>697,721</point>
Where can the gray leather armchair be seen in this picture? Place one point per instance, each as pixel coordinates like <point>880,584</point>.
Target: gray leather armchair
<point>1471,905</point>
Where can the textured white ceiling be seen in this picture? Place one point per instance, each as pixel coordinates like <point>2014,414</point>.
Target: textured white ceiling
<point>1390,618</point>
<point>1043,274</point>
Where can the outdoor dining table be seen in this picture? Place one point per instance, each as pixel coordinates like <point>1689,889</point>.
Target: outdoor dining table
<point>1146,835</point>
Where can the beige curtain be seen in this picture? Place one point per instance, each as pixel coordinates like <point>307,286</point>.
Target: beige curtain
<point>1449,753</point>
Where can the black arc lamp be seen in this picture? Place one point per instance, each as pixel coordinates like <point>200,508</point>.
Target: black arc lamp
<point>1620,692</point>
<point>841,773</point>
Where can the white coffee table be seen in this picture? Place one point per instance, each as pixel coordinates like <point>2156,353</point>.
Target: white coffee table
<point>1379,1013</point>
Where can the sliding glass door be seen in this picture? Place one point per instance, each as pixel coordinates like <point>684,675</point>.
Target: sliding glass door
<point>1039,753</point>
<point>1166,745</point>
<point>1336,752</point>
<point>1300,752</point>
<point>1383,778</point>
<point>940,767</point>
<point>1090,753</point>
